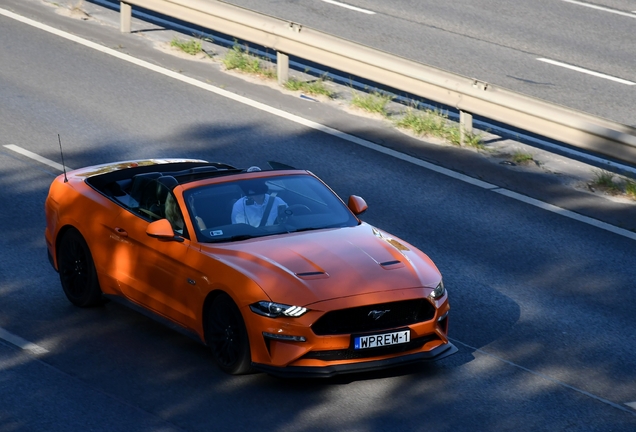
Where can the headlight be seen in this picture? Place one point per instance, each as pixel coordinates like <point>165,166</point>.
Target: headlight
<point>274,310</point>
<point>438,292</point>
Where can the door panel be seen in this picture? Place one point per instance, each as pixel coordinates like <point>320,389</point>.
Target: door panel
<point>155,273</point>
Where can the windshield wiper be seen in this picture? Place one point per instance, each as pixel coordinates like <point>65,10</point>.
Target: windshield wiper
<point>336,225</point>
<point>305,229</point>
<point>234,238</point>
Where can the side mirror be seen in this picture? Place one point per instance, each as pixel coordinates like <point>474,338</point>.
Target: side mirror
<point>357,205</point>
<point>162,230</point>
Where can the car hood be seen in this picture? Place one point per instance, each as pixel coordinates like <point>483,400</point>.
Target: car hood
<point>304,268</point>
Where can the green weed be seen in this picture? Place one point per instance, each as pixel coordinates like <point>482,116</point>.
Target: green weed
<point>630,188</point>
<point>604,179</point>
<point>521,158</point>
<point>315,87</point>
<point>435,123</point>
<point>374,102</point>
<point>192,46</point>
<point>240,58</point>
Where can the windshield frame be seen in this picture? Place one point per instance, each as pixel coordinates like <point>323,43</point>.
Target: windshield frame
<point>223,211</point>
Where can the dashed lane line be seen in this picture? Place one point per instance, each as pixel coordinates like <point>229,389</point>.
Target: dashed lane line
<point>38,350</point>
<point>344,5</point>
<point>586,71</point>
<point>302,121</point>
<point>22,343</point>
<point>601,8</point>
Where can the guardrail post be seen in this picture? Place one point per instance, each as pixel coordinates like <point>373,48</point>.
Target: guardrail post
<point>125,17</point>
<point>282,66</point>
<point>465,125</point>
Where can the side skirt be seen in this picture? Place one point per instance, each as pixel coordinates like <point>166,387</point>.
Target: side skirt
<point>156,317</point>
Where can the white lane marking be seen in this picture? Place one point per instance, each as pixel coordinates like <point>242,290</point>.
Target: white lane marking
<point>586,71</point>
<point>22,343</point>
<point>36,157</point>
<point>444,171</point>
<point>567,213</point>
<point>546,377</point>
<point>604,9</point>
<point>306,123</point>
<point>357,9</point>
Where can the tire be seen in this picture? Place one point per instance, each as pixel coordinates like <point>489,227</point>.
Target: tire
<point>226,336</point>
<point>77,271</point>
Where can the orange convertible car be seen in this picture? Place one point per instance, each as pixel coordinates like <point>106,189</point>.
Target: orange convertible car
<point>269,268</point>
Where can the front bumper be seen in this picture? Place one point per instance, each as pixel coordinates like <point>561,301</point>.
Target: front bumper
<point>438,353</point>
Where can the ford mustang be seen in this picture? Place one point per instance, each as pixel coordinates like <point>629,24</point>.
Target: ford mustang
<point>269,268</point>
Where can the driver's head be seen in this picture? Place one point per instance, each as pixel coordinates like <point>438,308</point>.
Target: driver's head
<point>255,190</point>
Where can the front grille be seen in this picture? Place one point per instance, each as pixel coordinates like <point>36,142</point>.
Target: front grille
<point>351,354</point>
<point>360,319</point>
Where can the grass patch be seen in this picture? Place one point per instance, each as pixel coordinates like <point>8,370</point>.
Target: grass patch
<point>521,158</point>
<point>425,123</point>
<point>315,87</point>
<point>604,179</point>
<point>630,188</point>
<point>192,46</point>
<point>471,139</point>
<point>374,102</point>
<point>435,123</point>
<point>239,58</point>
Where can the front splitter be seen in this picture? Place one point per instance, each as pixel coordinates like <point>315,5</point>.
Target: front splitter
<point>438,353</point>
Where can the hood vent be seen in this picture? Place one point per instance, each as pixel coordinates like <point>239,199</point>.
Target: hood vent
<point>312,275</point>
<point>392,264</point>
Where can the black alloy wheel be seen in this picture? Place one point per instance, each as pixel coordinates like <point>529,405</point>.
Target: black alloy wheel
<point>77,271</point>
<point>227,336</point>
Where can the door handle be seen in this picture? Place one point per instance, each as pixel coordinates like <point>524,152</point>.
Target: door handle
<point>122,232</point>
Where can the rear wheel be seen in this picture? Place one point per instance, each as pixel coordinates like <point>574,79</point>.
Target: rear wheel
<point>77,271</point>
<point>227,336</point>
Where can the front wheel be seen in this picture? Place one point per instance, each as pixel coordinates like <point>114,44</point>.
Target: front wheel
<point>227,336</point>
<point>77,271</point>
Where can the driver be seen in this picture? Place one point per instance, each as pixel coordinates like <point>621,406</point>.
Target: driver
<point>257,207</point>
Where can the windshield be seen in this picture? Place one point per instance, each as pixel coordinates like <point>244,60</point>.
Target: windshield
<point>239,210</point>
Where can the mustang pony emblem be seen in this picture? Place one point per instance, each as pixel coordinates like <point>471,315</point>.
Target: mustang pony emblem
<point>376,314</point>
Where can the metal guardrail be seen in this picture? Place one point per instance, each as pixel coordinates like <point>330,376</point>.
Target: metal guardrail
<point>469,96</point>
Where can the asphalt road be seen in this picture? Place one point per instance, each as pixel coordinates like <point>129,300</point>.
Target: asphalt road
<point>497,41</point>
<point>541,304</point>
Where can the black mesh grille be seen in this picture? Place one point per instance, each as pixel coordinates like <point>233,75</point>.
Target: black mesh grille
<point>351,354</point>
<point>361,320</point>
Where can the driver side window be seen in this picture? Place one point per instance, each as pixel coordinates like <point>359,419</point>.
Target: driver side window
<point>156,201</point>
<point>174,215</point>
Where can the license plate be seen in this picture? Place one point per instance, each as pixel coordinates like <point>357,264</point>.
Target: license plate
<point>380,340</point>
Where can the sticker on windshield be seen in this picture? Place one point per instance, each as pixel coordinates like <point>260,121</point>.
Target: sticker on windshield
<point>216,233</point>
